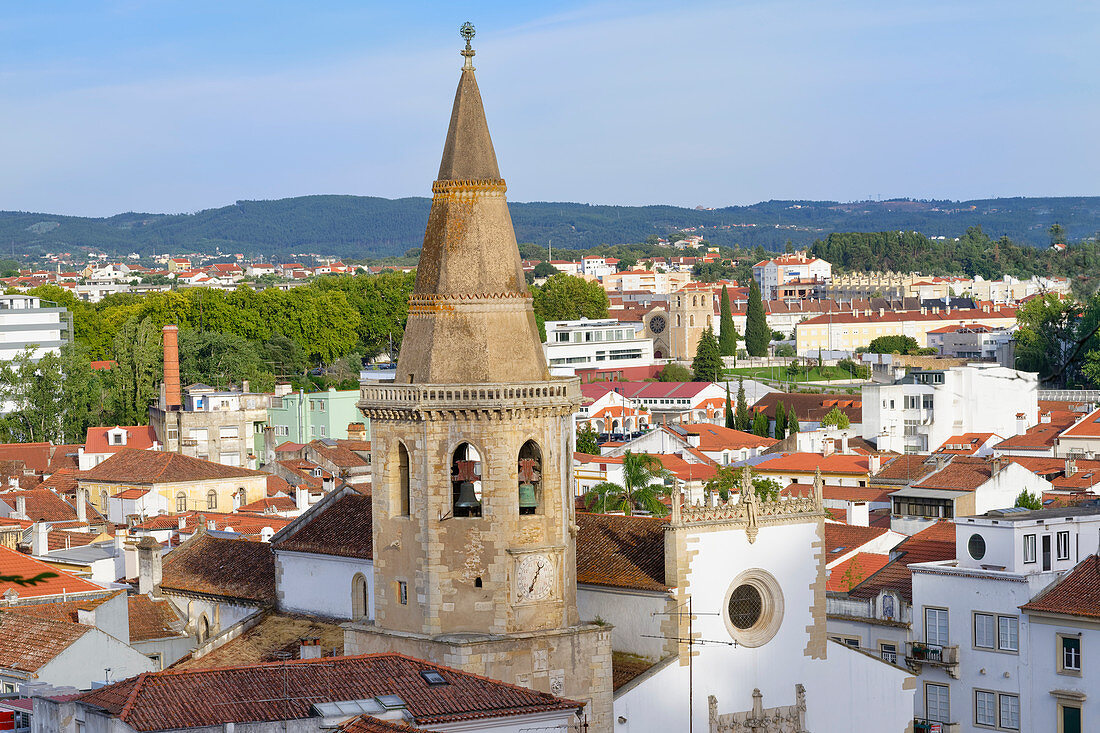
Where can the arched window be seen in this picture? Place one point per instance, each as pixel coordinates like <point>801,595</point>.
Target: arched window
<point>204,629</point>
<point>181,502</point>
<point>678,319</point>
<point>360,597</point>
<point>691,320</point>
<point>694,300</point>
<point>240,498</point>
<point>466,481</point>
<point>104,497</point>
<point>530,478</point>
<point>404,503</point>
<point>211,499</point>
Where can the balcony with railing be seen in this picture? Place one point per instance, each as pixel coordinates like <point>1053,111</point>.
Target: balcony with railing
<point>919,653</point>
<point>923,725</point>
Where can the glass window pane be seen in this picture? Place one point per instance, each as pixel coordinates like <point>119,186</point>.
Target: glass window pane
<point>985,708</point>
<point>935,626</point>
<point>936,703</point>
<point>1009,633</point>
<point>1010,712</point>
<point>983,630</point>
<point>1071,653</point>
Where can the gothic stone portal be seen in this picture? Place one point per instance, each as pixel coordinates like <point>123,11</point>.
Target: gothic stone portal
<point>786,719</point>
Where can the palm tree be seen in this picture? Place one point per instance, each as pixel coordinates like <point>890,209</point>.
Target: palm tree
<point>643,486</point>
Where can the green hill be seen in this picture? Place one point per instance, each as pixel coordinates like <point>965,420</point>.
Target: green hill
<point>359,227</point>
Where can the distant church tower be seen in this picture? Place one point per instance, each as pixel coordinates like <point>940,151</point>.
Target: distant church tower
<point>690,311</point>
<point>474,527</point>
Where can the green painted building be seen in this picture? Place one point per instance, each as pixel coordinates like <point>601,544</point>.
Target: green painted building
<point>301,417</point>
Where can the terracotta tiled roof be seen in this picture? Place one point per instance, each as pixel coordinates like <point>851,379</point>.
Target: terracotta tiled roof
<point>1085,475</point>
<point>28,643</point>
<point>718,437</point>
<point>1087,427</point>
<point>62,610</point>
<point>926,546</point>
<point>811,407</point>
<point>222,567</point>
<point>702,470</point>
<point>963,473</point>
<point>339,455</point>
<point>841,493</point>
<point>277,485</point>
<point>241,523</point>
<point>141,437</point>
<point>1042,435</point>
<point>342,528</point>
<point>45,505</point>
<point>904,469</point>
<point>625,667</point>
<point>589,458</point>
<point>270,503</point>
<point>153,619</point>
<point>36,456</point>
<point>966,444</point>
<point>22,566</point>
<point>809,462</point>
<point>1075,594</point>
<point>960,314</point>
<point>275,637</point>
<point>645,390</point>
<point>212,697</point>
<point>622,552</point>
<point>64,539</point>
<point>64,457</point>
<point>130,465</point>
<point>841,539</point>
<point>369,724</point>
<point>848,574</point>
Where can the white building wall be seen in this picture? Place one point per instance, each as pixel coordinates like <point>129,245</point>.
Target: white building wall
<point>312,583</point>
<point>86,660</point>
<point>631,612</point>
<point>1045,649</point>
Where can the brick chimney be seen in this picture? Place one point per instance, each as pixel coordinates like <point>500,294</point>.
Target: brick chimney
<point>172,399</point>
<point>149,564</point>
<point>310,649</point>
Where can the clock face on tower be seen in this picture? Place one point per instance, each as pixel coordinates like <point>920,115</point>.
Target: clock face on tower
<point>657,324</point>
<point>535,578</point>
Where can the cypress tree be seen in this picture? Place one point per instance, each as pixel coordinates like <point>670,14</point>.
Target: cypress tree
<point>731,421</point>
<point>792,421</point>
<point>727,336</point>
<point>744,419</point>
<point>707,365</point>
<point>780,421</point>
<point>757,334</point>
<point>760,424</point>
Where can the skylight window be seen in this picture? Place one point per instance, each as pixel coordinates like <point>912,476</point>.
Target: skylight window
<point>390,702</point>
<point>433,678</point>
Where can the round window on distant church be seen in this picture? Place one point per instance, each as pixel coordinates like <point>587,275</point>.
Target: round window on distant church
<point>753,608</point>
<point>976,546</point>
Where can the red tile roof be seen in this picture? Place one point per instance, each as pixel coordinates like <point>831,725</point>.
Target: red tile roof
<point>370,724</point>
<point>1075,594</point>
<point>904,469</point>
<point>935,543</point>
<point>1087,427</point>
<point>841,539</point>
<point>339,455</point>
<point>28,643</point>
<point>963,473</point>
<point>1042,435</point>
<point>45,505</point>
<point>718,437</point>
<point>151,467</point>
<point>153,619</point>
<point>960,314</point>
<point>141,437</point>
<point>343,528</point>
<point>621,552</point>
<point>645,390</point>
<point>686,470</point>
<point>222,567</point>
<point>213,697</point>
<point>62,610</point>
<point>36,579</point>
<point>810,462</point>
<point>811,407</point>
<point>1085,475</point>
<point>269,504</point>
<point>965,444</point>
<point>842,493</point>
<point>848,574</point>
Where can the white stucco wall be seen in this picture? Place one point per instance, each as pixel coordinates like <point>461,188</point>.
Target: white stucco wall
<point>847,691</point>
<point>85,660</point>
<point>320,584</point>
<point>631,614</point>
<point>1043,670</point>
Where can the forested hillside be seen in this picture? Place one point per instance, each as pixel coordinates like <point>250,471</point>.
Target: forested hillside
<point>360,227</point>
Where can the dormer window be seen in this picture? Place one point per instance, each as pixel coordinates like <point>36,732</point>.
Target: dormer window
<point>116,437</point>
<point>317,472</point>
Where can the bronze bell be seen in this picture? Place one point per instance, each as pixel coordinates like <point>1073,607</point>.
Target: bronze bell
<point>528,502</point>
<point>467,503</point>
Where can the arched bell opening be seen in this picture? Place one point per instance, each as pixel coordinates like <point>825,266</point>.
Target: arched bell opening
<point>466,481</point>
<point>530,478</point>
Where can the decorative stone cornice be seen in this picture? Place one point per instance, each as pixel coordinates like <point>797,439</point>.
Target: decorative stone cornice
<point>472,186</point>
<point>558,396</point>
<point>751,512</point>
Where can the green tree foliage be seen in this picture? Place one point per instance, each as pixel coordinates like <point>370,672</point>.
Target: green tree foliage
<point>545,269</point>
<point>34,390</point>
<point>1027,500</point>
<point>1057,234</point>
<point>731,417</point>
<point>567,298</point>
<point>757,333</point>
<point>1057,338</point>
<point>727,333</point>
<point>760,424</point>
<point>138,371</point>
<point>222,359</point>
<point>744,417</point>
<point>893,345</point>
<point>709,272</point>
<point>727,481</point>
<point>674,373</point>
<point>707,366</point>
<point>792,422</point>
<point>642,489</point>
<point>780,421</point>
<point>587,441</point>
<point>836,419</point>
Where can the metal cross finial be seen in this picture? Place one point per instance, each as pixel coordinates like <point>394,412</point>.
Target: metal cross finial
<point>467,32</point>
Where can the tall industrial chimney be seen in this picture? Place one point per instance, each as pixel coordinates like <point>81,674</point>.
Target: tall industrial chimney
<point>171,368</point>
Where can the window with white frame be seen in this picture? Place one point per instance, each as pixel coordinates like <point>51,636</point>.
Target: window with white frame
<point>1029,548</point>
<point>985,707</point>
<point>1063,545</point>
<point>983,630</point>
<point>1010,711</point>
<point>935,626</point>
<point>1069,660</point>
<point>1008,633</point>
<point>937,703</point>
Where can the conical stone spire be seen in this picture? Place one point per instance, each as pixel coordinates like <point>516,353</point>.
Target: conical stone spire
<point>470,315</point>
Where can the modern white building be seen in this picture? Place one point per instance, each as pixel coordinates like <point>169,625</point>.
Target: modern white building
<point>605,342</point>
<point>28,322</point>
<point>982,663</point>
<point>920,411</point>
<point>770,274</point>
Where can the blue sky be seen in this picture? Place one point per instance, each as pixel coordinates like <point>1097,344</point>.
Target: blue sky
<point>135,105</point>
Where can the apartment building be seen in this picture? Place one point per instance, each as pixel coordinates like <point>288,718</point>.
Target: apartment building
<point>29,322</point>
<point>588,343</point>
<point>770,274</point>
<point>301,417</point>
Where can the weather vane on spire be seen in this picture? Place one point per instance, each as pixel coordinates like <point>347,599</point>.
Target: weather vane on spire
<point>467,32</point>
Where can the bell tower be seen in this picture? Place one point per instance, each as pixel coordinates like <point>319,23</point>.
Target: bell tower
<point>473,512</point>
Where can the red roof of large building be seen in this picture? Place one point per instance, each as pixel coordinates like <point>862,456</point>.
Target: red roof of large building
<point>1042,435</point>
<point>719,437</point>
<point>1075,594</point>
<point>969,314</point>
<point>141,437</point>
<point>810,462</point>
<point>1087,427</point>
<point>197,698</point>
<point>222,567</point>
<point>965,444</point>
<point>622,552</point>
<point>342,528</point>
<point>28,643</point>
<point>840,539</point>
<point>32,578</point>
<point>963,473</point>
<point>645,390</point>
<point>937,542</point>
<point>129,465</point>
<point>848,574</point>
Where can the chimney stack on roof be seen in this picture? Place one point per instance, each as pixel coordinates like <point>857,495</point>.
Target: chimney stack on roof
<point>1071,467</point>
<point>858,514</point>
<point>40,532</point>
<point>149,564</point>
<point>82,505</point>
<point>310,649</point>
<point>172,399</point>
<point>21,507</point>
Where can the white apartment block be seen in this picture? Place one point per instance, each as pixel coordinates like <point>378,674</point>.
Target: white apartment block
<point>770,274</point>
<point>28,322</point>
<point>587,344</point>
<point>920,411</point>
<point>983,662</point>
